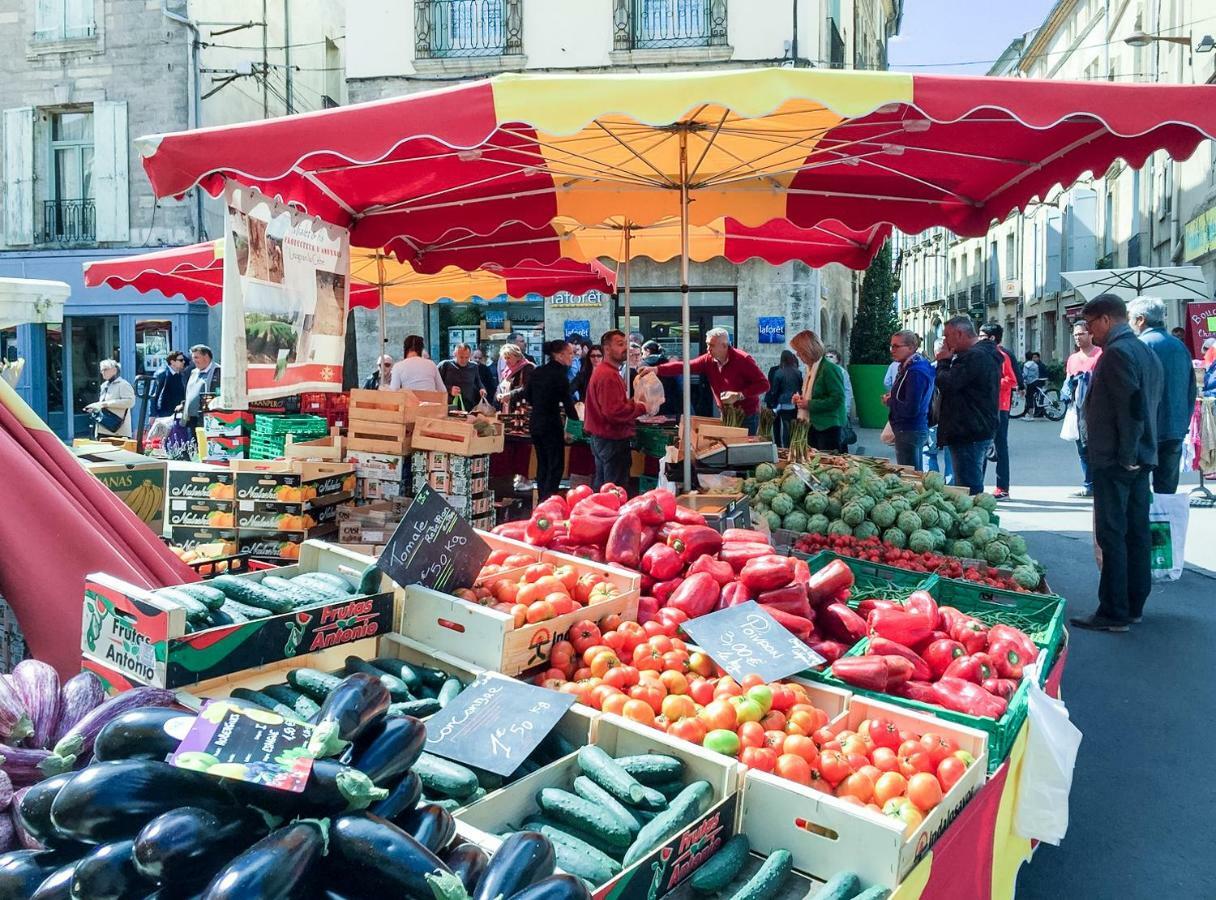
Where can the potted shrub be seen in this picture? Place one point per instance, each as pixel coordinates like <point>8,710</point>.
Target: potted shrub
<point>869,346</point>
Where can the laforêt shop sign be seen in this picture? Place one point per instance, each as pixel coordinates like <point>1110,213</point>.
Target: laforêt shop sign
<point>593,298</point>
<point>434,547</point>
<point>745,639</point>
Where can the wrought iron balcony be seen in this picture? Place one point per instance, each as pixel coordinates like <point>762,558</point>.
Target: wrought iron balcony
<point>68,221</point>
<point>668,24</point>
<point>447,29</point>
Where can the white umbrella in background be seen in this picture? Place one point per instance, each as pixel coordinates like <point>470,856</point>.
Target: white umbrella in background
<point>26,301</point>
<point>1168,283</point>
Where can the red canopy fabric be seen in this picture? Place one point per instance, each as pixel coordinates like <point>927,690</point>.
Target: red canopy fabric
<point>61,524</point>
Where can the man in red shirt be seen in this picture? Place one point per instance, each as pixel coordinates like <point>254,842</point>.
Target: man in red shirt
<point>727,370</point>
<point>609,416</point>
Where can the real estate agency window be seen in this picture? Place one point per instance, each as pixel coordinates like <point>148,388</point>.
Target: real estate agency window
<point>68,213</point>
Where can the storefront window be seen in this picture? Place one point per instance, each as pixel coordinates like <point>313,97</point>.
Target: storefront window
<point>54,370</point>
<point>656,316</point>
<point>153,341</point>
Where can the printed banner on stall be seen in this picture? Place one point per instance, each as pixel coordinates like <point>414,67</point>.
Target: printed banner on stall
<point>1200,325</point>
<point>286,292</point>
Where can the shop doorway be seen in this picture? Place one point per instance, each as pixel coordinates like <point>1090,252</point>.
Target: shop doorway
<point>90,340</point>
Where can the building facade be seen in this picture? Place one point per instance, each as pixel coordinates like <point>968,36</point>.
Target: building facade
<point>1157,216</point>
<point>79,80</point>
<point>396,48</point>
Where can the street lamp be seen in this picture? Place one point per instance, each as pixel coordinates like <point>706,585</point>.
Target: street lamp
<point>1139,38</point>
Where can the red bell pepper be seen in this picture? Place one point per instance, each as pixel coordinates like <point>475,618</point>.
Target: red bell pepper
<point>922,605</point>
<point>840,623</point>
<point>829,580</point>
<point>614,490</point>
<point>829,650</point>
<point>921,691</point>
<point>868,605</point>
<point>722,572</point>
<point>1006,654</point>
<point>697,596</point>
<point>513,530</point>
<point>898,625</point>
<point>765,573</point>
<point>744,536</point>
<point>648,608</point>
<point>596,505</point>
<point>948,616</point>
<point>737,554</point>
<point>595,554</point>
<point>933,636</point>
<point>671,618</point>
<point>802,628</point>
<point>1000,687</point>
<point>1030,650</point>
<point>971,633</point>
<point>880,646</point>
<point>732,595</point>
<point>625,541</point>
<point>873,673</point>
<point>664,589</point>
<point>940,654</point>
<point>648,584</point>
<point>974,667</point>
<point>666,501</point>
<point>692,541</point>
<point>555,503</point>
<point>539,531</point>
<point>662,563</point>
<point>968,698</point>
<point>790,599</point>
<point>687,516</point>
<point>667,529</point>
<point>802,574</point>
<point>647,508</point>
<point>586,528</point>
<point>650,536</point>
<point>577,493</point>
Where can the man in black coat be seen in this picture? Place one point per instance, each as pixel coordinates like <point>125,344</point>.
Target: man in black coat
<point>170,385</point>
<point>1120,435</point>
<point>969,379</point>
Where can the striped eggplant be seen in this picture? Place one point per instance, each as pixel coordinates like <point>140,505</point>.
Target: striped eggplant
<point>6,790</point>
<point>27,765</point>
<point>80,695</point>
<point>8,832</point>
<point>15,723</point>
<point>77,742</point>
<point>38,686</point>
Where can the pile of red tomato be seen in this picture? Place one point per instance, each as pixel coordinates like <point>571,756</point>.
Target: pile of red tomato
<point>540,592</point>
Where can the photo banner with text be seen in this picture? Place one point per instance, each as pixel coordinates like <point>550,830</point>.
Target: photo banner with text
<point>286,292</point>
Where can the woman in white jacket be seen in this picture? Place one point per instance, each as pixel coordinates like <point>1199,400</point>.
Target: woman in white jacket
<point>117,396</point>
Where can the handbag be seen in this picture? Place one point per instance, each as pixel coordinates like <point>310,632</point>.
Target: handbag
<point>110,421</point>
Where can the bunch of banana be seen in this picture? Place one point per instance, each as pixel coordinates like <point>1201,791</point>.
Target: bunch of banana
<point>146,501</point>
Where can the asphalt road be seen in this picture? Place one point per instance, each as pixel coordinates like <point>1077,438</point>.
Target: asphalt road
<point>1139,813</point>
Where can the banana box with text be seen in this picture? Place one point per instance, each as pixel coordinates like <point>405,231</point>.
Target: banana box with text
<point>139,481</point>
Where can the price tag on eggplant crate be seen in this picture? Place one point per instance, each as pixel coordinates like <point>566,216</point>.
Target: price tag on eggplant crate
<point>495,723</point>
<point>745,639</point>
<point>434,547</point>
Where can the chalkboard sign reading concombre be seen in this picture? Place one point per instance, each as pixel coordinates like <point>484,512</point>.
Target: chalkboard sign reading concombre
<point>433,547</point>
<point>746,640</point>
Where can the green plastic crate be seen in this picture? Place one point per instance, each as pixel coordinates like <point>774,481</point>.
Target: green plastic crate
<point>574,428</point>
<point>1041,616</point>
<point>653,441</point>
<point>872,576</point>
<point>295,425</point>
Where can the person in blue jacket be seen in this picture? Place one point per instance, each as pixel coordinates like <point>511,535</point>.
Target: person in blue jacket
<point>908,401</point>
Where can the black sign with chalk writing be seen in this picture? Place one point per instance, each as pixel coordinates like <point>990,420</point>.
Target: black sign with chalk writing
<point>745,639</point>
<point>434,547</point>
<point>495,723</point>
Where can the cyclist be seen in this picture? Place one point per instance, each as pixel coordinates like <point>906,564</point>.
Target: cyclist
<point>1034,374</point>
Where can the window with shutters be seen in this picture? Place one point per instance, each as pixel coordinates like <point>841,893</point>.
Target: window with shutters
<point>69,212</point>
<point>63,20</point>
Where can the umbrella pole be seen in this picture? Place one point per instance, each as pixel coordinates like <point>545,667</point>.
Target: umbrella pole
<point>684,309</point>
<point>628,320</point>
<point>380,287</point>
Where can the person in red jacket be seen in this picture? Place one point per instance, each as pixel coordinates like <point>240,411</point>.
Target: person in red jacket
<point>609,416</point>
<point>1009,381</point>
<point>728,370</point>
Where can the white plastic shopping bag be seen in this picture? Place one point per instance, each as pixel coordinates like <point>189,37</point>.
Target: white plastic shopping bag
<point>648,390</point>
<point>1167,519</point>
<point>1071,429</point>
<point>1051,754</point>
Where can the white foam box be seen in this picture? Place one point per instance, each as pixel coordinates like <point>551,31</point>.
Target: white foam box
<point>667,866</point>
<point>826,835</point>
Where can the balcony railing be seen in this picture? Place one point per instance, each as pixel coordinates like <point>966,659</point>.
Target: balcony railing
<point>668,24</point>
<point>68,221</point>
<point>447,29</point>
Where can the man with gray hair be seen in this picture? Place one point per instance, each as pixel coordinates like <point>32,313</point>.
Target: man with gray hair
<point>969,379</point>
<point>462,377</point>
<point>1178,390</point>
<point>728,371</point>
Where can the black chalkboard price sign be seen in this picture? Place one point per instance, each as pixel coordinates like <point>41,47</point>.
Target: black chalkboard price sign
<point>745,639</point>
<point>433,547</point>
<point>495,723</point>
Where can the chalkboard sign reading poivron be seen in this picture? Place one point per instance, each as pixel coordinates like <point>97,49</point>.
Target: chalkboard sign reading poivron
<point>745,639</point>
<point>495,723</point>
<point>433,547</point>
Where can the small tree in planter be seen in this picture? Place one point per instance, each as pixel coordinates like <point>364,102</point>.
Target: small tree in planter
<point>869,346</point>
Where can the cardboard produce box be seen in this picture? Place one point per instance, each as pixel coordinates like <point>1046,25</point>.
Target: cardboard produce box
<point>380,466</point>
<point>373,524</point>
<point>143,638</point>
<point>201,513</point>
<point>279,545</point>
<point>269,515</point>
<point>440,461</point>
<point>189,537</point>
<point>139,481</point>
<point>200,481</point>
<point>230,448</point>
<point>227,423</point>
<point>376,489</point>
<point>471,506</point>
<point>291,480</point>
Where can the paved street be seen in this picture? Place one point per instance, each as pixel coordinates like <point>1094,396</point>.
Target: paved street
<point>1140,823</point>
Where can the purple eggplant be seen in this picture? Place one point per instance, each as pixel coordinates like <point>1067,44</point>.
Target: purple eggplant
<point>8,832</point>
<point>28,765</point>
<point>22,839</point>
<point>38,686</point>
<point>15,722</point>
<point>81,694</point>
<point>77,741</point>
<point>6,790</point>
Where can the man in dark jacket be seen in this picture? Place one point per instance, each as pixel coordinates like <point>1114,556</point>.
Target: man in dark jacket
<point>969,379</point>
<point>1121,441</point>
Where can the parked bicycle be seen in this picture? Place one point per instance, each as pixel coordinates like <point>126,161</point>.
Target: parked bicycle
<point>1047,399</point>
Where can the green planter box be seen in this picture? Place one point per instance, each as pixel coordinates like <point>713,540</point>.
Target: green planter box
<point>867,394</point>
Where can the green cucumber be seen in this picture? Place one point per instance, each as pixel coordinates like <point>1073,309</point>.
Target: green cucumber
<point>652,768</point>
<point>685,809</point>
<point>669,789</point>
<point>604,771</point>
<point>722,868</point>
<point>313,682</point>
<point>445,777</point>
<point>579,857</point>
<point>299,594</point>
<point>324,589</point>
<point>248,592</point>
<point>447,804</point>
<point>243,612</point>
<point>538,822</point>
<point>196,610</point>
<point>571,809</point>
<point>304,705</point>
<point>426,706</point>
<point>841,886</point>
<point>333,580</point>
<point>257,698</point>
<point>213,597</point>
<point>556,745</point>
<point>370,580</point>
<point>401,669</point>
<point>434,677</point>
<point>874,893</point>
<point>769,878</point>
<point>396,687</point>
<point>592,792</point>
<point>452,686</point>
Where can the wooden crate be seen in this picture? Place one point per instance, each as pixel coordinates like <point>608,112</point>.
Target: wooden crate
<point>329,449</point>
<point>457,437</point>
<point>379,437</point>
<point>392,406</point>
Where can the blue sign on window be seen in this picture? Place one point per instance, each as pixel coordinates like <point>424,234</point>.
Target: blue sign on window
<point>581,327</point>
<point>496,318</point>
<point>772,329</point>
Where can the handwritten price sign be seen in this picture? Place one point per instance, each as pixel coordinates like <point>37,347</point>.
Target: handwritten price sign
<point>745,639</point>
<point>495,723</point>
<point>434,547</point>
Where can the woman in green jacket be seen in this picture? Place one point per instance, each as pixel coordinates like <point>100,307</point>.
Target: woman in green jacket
<point>821,400</point>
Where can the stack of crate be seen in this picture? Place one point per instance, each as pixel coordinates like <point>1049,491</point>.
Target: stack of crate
<point>227,433</point>
<point>282,503</point>
<point>380,426</point>
<point>201,505</point>
<point>270,433</point>
<point>380,476</point>
<point>463,481</point>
